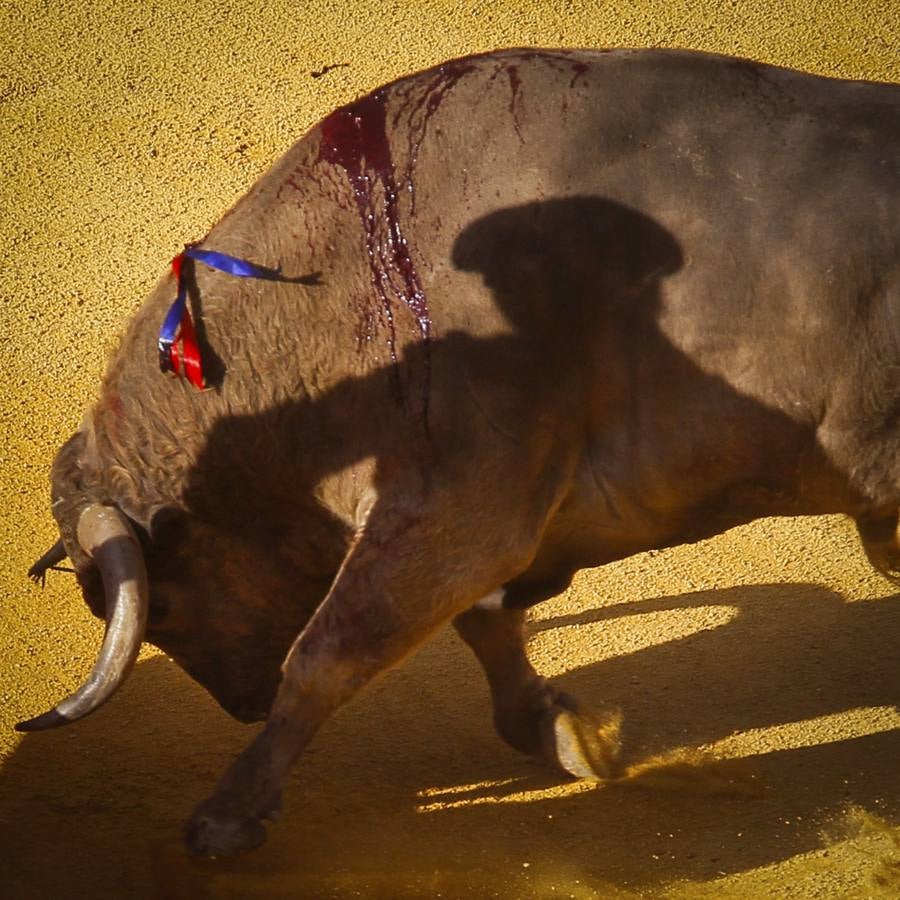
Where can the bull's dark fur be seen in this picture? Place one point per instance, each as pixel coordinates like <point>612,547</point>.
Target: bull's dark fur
<point>661,294</point>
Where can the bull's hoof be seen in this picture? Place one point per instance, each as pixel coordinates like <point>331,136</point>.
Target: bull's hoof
<point>586,745</point>
<point>556,729</point>
<point>213,834</point>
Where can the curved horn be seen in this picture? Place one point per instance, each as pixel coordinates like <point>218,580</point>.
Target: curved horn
<point>108,539</point>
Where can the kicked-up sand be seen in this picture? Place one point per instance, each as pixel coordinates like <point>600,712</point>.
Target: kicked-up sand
<point>757,673</point>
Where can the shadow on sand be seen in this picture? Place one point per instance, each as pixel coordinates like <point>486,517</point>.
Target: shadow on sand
<point>100,804</point>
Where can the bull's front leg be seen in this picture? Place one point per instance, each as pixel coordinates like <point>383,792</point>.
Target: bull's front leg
<point>530,713</point>
<point>397,585</point>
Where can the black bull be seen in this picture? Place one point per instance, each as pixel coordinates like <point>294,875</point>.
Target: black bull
<point>539,311</point>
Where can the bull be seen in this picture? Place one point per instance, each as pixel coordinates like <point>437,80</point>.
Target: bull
<point>512,316</point>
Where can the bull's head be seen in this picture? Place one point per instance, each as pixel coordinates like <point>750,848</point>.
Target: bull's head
<point>221,604</point>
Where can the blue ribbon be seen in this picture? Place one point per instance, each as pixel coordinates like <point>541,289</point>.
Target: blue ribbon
<point>230,264</point>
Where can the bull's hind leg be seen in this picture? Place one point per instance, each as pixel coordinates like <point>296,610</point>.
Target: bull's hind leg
<point>400,581</point>
<point>530,713</point>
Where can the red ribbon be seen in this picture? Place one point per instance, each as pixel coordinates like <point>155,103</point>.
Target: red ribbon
<point>192,369</point>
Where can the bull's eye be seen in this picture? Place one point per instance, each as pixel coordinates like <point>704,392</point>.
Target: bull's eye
<point>157,614</point>
<point>92,590</point>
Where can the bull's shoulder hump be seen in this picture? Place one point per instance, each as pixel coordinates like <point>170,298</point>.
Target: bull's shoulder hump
<point>637,60</point>
<point>656,84</point>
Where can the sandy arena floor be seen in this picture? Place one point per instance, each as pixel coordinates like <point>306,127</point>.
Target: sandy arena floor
<point>127,129</point>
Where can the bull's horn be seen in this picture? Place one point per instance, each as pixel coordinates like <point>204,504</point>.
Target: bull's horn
<point>108,539</point>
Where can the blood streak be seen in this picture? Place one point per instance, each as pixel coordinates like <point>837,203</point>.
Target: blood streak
<point>515,83</point>
<point>355,139</point>
<point>579,69</point>
<point>418,110</point>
